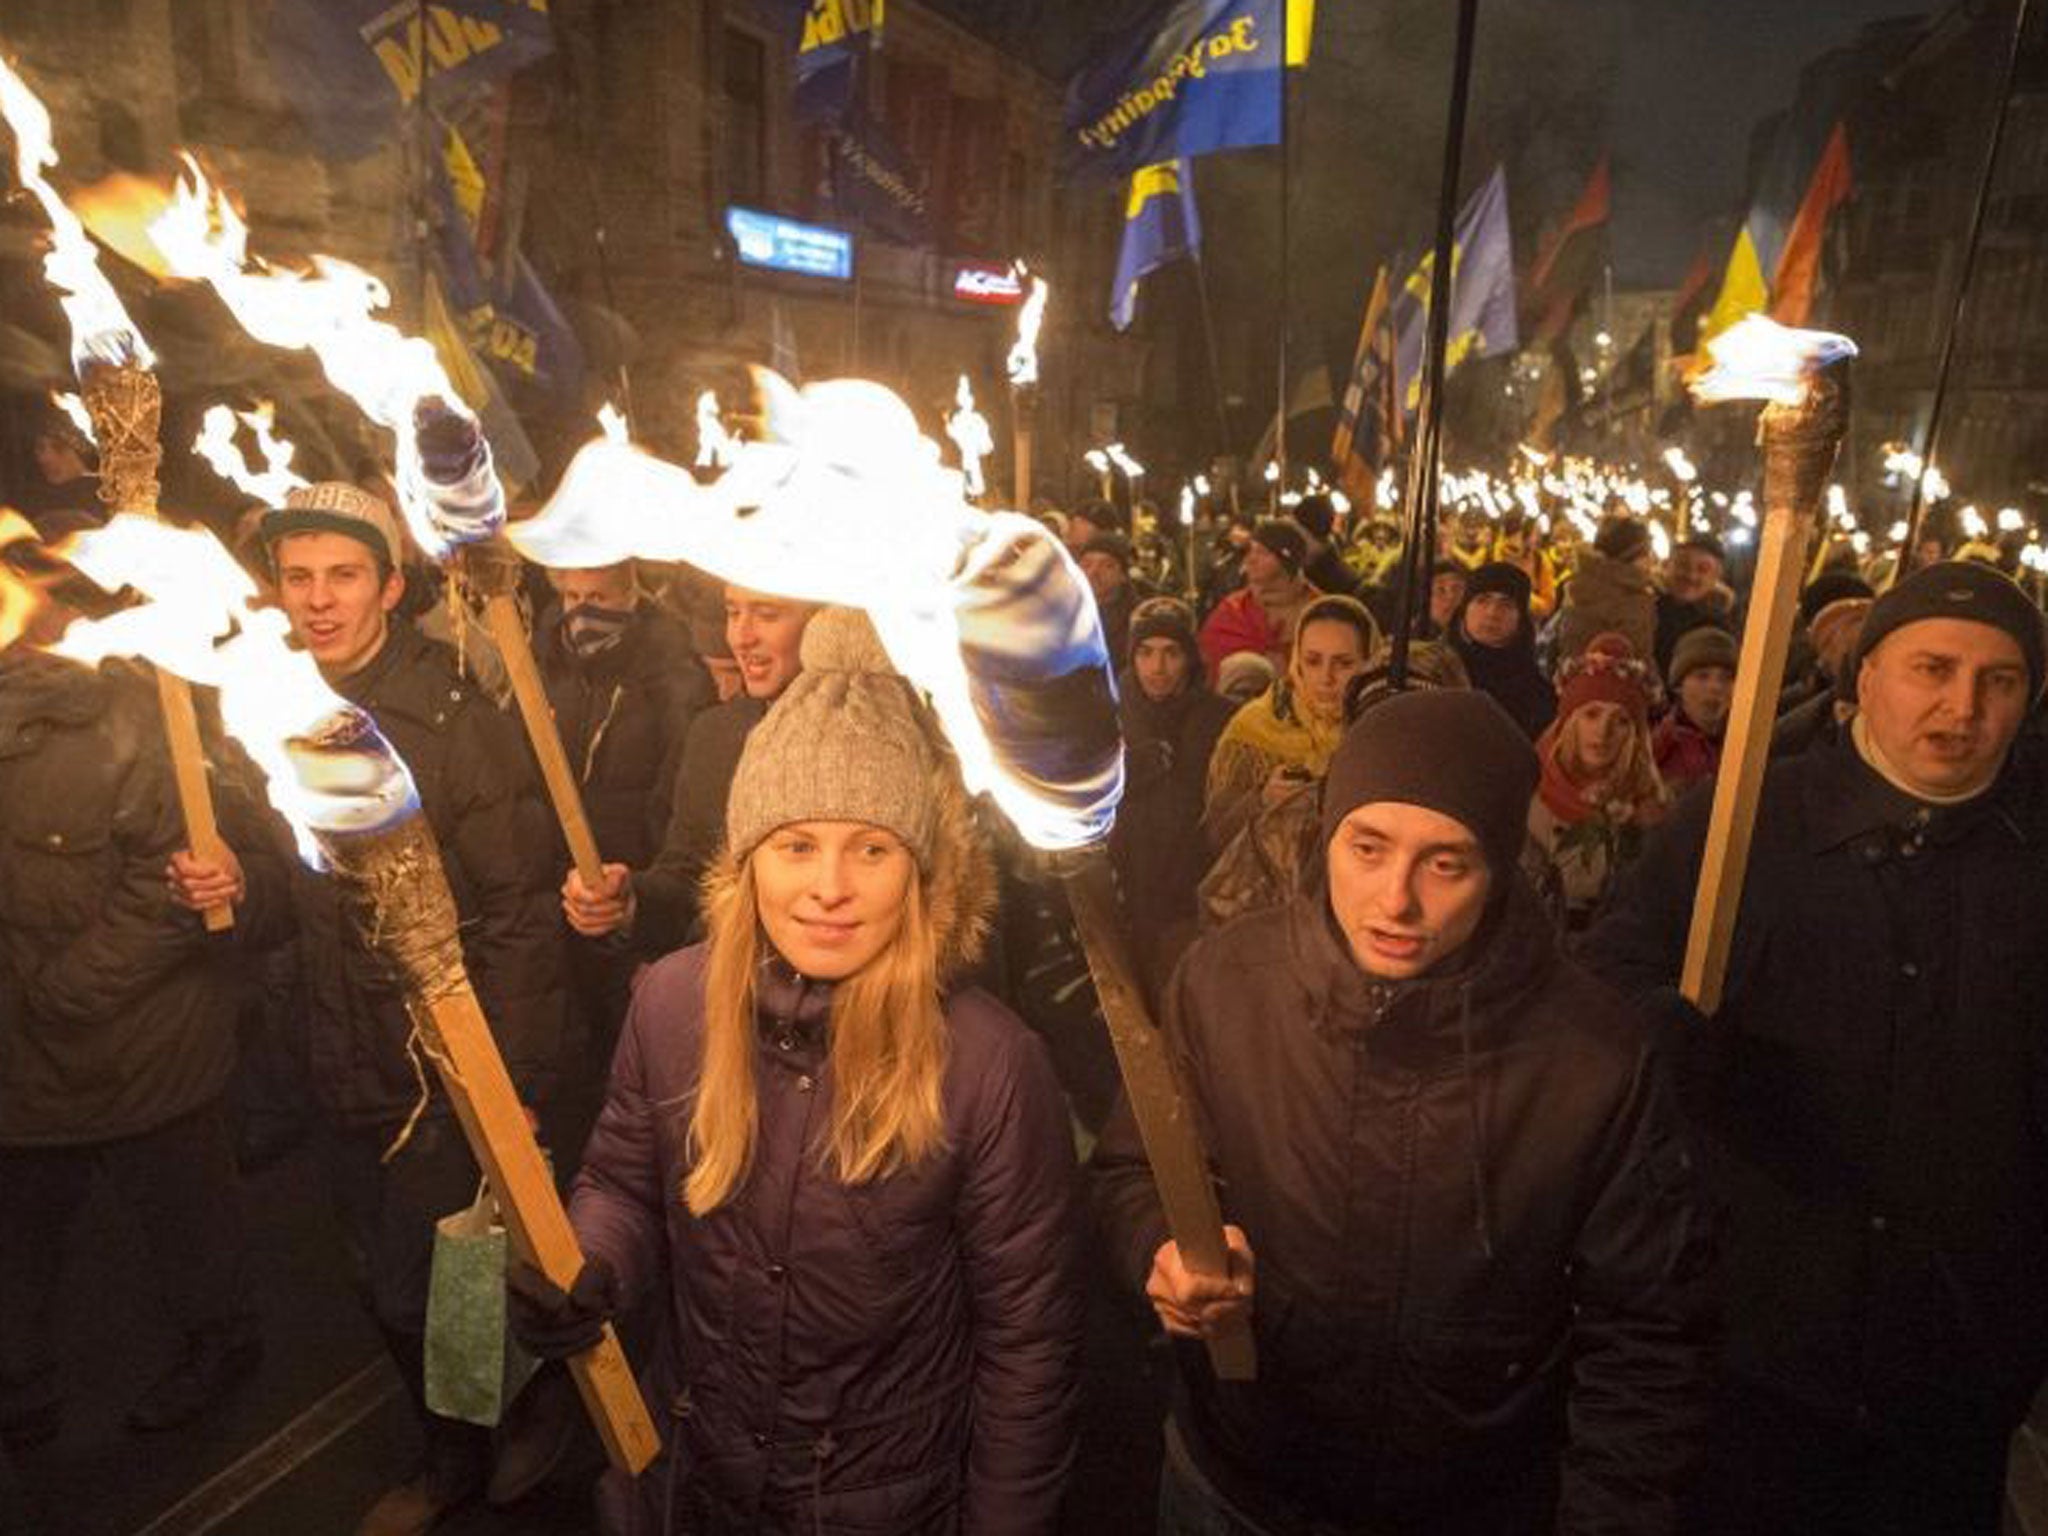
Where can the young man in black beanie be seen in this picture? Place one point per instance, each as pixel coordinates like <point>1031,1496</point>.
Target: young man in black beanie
<point>1870,1088</point>
<point>1480,1294</point>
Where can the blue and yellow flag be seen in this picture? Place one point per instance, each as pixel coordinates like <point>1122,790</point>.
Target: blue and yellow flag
<point>1160,226</point>
<point>1204,77</point>
<point>349,65</point>
<point>1482,316</point>
<point>837,35</point>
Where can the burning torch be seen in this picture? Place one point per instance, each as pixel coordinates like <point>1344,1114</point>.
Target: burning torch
<point>1023,371</point>
<point>124,405</point>
<point>985,613</point>
<point>354,808</point>
<point>1803,376</point>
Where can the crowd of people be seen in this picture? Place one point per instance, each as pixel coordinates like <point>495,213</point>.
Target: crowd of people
<point>1524,1241</point>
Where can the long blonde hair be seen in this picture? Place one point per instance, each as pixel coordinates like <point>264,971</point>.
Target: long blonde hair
<point>887,1051</point>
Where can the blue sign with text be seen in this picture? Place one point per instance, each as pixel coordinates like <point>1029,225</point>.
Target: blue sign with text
<point>784,245</point>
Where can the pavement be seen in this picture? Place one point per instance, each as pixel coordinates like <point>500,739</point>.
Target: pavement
<point>308,1443</point>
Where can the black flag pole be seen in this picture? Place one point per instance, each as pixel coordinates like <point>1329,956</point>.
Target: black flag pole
<point>1286,274</point>
<point>1419,553</point>
<point>1931,438</point>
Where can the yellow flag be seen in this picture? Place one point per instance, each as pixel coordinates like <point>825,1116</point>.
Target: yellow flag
<point>1743,291</point>
<point>1301,22</point>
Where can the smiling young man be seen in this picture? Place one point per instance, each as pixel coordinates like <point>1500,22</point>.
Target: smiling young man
<point>1460,1208</point>
<point>656,906</point>
<point>334,552</point>
<point>1871,1088</point>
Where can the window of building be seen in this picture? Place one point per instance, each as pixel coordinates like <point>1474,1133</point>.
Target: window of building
<point>744,150</point>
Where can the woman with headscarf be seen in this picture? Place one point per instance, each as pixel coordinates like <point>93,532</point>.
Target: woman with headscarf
<point>1495,636</point>
<point>845,1179</point>
<point>1600,789</point>
<point>1279,745</point>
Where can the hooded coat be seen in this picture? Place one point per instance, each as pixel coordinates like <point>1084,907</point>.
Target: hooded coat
<point>117,1008</point>
<point>1480,1260</point>
<point>1509,672</point>
<point>899,1356</point>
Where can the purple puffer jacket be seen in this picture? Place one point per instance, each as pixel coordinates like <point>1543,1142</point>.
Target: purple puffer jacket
<point>898,1357</point>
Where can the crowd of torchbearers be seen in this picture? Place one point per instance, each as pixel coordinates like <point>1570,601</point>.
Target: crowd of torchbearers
<point>1519,1237</point>
<point>1599,1080</point>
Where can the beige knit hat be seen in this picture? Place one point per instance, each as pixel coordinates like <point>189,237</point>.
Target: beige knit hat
<point>846,741</point>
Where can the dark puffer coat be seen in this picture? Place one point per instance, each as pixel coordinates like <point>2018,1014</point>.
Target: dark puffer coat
<point>117,1009</point>
<point>1873,1091</point>
<point>668,890</point>
<point>623,714</point>
<point>503,856</point>
<point>898,1357</point>
<point>1482,1296</point>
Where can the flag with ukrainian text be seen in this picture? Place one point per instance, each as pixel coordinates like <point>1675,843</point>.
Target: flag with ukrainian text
<point>1160,226</point>
<point>1201,76</point>
<point>836,37</point>
<point>1482,298</point>
<point>348,66</point>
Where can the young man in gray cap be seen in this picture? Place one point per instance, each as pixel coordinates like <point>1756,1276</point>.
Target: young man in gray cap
<point>1479,1297</point>
<point>1870,1090</point>
<point>399,1158</point>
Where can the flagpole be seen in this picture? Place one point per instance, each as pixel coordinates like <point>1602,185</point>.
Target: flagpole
<point>1215,365</point>
<point>1917,511</point>
<point>1420,552</point>
<point>1286,273</point>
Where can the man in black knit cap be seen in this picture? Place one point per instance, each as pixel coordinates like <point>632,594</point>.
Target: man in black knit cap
<point>1480,1301</point>
<point>1870,1091</point>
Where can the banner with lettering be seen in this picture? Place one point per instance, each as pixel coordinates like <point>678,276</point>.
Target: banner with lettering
<point>349,66</point>
<point>875,182</point>
<point>835,38</point>
<point>1204,77</point>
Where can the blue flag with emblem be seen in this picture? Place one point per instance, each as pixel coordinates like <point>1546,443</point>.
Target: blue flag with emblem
<point>1482,317</point>
<point>1160,226</point>
<point>348,66</point>
<point>836,37</point>
<point>1203,77</point>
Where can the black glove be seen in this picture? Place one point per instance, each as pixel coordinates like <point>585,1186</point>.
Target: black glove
<point>451,443</point>
<point>553,1324</point>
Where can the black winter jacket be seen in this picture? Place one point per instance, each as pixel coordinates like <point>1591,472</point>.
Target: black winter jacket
<point>623,714</point>
<point>502,853</point>
<point>666,891</point>
<point>1873,1093</point>
<point>1482,1296</point>
<point>117,1009</point>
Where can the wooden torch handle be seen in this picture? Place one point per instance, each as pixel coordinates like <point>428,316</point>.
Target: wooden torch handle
<point>195,800</point>
<point>1766,639</point>
<point>501,618</point>
<point>1158,1102</point>
<point>495,1123</point>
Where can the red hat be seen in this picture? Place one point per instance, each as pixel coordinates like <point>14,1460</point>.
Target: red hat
<point>1608,669</point>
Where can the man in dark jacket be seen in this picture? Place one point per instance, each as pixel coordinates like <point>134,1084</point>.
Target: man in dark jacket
<point>1480,1297</point>
<point>400,1158</point>
<point>655,905</point>
<point>117,1019</point>
<point>1494,634</point>
<point>1171,721</point>
<point>625,684</point>
<point>1685,602</point>
<point>1870,1090</point>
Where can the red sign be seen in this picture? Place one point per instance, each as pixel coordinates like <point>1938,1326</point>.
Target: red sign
<point>987,285</point>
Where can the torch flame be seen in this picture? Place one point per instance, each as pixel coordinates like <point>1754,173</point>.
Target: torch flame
<point>216,445</point>
<point>971,435</point>
<point>101,331</point>
<point>1023,359</point>
<point>714,444</point>
<point>327,768</point>
<point>75,411</point>
<point>1758,359</point>
<point>1131,468</point>
<point>612,422</point>
<point>330,311</point>
<point>845,501</point>
<point>19,599</point>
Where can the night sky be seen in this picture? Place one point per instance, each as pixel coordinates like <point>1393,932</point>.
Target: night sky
<point>1695,75</point>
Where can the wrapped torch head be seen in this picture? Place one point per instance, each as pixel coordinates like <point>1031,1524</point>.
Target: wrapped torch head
<point>126,407</point>
<point>1800,441</point>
